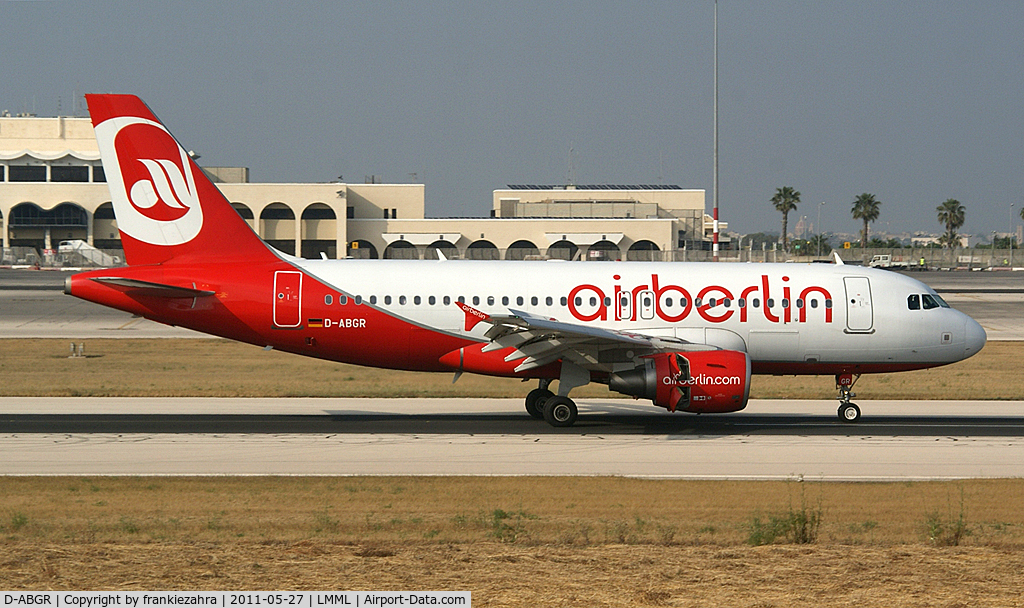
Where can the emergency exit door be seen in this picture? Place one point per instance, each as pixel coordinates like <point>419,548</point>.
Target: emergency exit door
<point>287,298</point>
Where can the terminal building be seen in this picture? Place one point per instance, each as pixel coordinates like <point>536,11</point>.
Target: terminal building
<point>53,190</point>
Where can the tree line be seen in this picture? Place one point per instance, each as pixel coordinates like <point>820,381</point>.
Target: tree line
<point>951,215</point>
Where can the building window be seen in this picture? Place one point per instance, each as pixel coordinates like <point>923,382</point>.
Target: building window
<point>23,173</point>
<point>350,213</point>
<point>62,173</point>
<point>98,175</point>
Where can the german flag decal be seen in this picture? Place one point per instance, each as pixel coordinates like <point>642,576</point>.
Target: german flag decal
<point>314,322</point>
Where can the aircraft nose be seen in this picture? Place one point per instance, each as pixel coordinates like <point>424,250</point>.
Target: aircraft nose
<point>976,337</point>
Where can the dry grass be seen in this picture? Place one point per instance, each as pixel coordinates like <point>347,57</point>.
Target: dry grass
<point>219,368</point>
<point>517,541</point>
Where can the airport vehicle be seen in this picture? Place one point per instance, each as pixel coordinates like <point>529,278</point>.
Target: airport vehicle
<point>887,261</point>
<point>687,336</point>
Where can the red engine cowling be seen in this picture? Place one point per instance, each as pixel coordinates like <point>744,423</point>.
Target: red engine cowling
<point>713,381</point>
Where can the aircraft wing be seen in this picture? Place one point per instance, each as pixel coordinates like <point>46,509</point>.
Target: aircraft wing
<point>540,340</point>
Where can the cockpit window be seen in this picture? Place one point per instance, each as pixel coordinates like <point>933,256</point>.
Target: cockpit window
<point>941,302</point>
<point>931,301</point>
<point>914,302</point>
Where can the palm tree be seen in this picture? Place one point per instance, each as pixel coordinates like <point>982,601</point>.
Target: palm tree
<point>865,208</point>
<point>951,215</point>
<point>785,200</point>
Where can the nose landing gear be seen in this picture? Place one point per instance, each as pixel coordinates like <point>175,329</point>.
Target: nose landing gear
<point>848,412</point>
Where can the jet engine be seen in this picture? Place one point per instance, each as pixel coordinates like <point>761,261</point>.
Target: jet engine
<point>713,381</point>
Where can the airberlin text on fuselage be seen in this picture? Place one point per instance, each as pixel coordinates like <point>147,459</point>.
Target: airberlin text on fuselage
<point>713,303</point>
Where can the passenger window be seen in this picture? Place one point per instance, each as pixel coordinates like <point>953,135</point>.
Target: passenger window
<point>401,300</point>
<point>519,300</point>
<point>476,300</point>
<point>462,299</point>
<point>490,300</point>
<point>533,300</point>
<point>607,301</point>
<point>770,302</point>
<point>814,303</point>
<point>416,300</point>
<point>799,303</point>
<point>713,302</point>
<point>565,301</point>
<point>447,300</point>
<point>343,300</point>
<point>828,303</point>
<point>387,300</point>
<point>373,299</point>
<point>697,302</point>
<point>726,302</point>
<point>682,302</point>
<point>328,299</point>
<point>549,300</point>
<point>785,302</point>
<point>359,300</point>
<point>593,301</point>
<point>914,302</point>
<point>504,300</point>
<point>756,303</point>
<point>579,301</point>
<point>929,302</point>
<point>668,302</point>
<point>742,302</point>
<point>432,300</point>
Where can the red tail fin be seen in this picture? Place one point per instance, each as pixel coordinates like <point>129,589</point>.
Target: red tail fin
<point>166,207</point>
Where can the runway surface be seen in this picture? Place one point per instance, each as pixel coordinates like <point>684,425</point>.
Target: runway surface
<point>770,440</point>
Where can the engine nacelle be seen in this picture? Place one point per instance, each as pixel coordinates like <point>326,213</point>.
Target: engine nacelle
<point>714,381</point>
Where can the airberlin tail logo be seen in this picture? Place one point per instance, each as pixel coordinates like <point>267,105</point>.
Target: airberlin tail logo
<point>151,181</point>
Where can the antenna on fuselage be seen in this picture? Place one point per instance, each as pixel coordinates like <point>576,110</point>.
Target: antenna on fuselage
<point>838,260</point>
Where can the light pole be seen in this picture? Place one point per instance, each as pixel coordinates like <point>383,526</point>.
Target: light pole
<point>1012,234</point>
<point>820,205</point>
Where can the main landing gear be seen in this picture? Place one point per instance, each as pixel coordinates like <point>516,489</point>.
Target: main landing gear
<point>848,412</point>
<point>556,410</point>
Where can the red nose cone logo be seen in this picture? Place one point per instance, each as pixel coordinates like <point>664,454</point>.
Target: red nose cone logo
<point>151,166</point>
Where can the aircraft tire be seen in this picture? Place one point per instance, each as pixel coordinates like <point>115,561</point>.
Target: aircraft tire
<point>849,412</point>
<point>560,411</point>
<point>535,402</point>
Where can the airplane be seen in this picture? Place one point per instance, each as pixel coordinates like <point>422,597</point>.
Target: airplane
<point>686,336</point>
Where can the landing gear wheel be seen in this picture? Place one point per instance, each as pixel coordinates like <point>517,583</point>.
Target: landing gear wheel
<point>560,411</point>
<point>849,412</point>
<point>535,402</point>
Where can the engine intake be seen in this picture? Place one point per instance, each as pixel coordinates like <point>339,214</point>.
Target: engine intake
<point>715,381</point>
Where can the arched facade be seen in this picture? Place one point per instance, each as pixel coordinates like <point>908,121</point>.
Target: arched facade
<point>29,225</point>
<point>563,250</point>
<point>104,233</point>
<point>362,250</point>
<point>643,251</point>
<point>319,231</point>
<point>603,251</point>
<point>402,250</point>
<point>449,250</point>
<point>277,227</point>
<point>482,250</point>
<point>521,249</point>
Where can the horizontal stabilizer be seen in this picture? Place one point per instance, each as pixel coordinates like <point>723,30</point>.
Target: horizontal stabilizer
<point>156,290</point>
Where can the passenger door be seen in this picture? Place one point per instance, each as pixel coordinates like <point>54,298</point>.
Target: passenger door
<point>859,314</point>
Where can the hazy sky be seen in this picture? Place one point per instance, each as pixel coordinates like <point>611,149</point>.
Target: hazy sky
<point>914,102</point>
